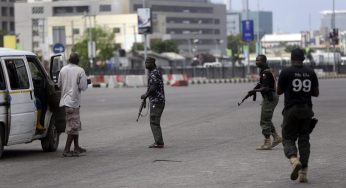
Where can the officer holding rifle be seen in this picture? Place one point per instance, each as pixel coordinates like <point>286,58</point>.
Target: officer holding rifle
<point>156,95</point>
<point>266,87</point>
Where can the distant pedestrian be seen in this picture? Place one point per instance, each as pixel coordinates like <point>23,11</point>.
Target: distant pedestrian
<point>298,83</point>
<point>72,80</point>
<point>156,95</point>
<point>266,87</point>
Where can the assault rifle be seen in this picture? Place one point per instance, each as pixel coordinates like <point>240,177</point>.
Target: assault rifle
<point>249,94</point>
<point>143,105</point>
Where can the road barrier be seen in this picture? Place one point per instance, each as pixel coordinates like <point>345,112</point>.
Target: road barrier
<point>115,81</point>
<point>178,80</point>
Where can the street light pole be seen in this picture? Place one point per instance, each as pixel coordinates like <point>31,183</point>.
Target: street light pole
<point>258,28</point>
<point>333,41</point>
<point>247,43</point>
<point>145,40</point>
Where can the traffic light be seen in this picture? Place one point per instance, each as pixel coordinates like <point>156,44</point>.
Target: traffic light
<point>334,36</point>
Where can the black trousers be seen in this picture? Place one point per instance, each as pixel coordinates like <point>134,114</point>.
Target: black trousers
<point>295,127</point>
<point>155,119</point>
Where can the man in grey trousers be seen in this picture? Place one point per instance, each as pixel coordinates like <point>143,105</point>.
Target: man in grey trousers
<point>156,94</point>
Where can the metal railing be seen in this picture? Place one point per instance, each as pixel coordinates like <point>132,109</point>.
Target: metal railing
<point>208,72</point>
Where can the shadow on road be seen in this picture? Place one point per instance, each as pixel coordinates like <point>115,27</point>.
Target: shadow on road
<point>22,154</point>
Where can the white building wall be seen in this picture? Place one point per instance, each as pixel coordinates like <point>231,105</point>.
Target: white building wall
<point>127,23</point>
<point>24,16</point>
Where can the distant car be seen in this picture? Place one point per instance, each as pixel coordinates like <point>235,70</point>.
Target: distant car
<point>28,96</point>
<point>212,64</point>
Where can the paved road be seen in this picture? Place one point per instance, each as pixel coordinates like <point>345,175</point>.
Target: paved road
<point>210,143</point>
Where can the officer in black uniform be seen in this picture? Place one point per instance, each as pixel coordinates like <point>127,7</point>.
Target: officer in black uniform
<point>156,95</point>
<point>298,83</point>
<point>266,86</point>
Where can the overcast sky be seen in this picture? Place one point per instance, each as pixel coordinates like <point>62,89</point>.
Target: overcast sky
<point>292,16</point>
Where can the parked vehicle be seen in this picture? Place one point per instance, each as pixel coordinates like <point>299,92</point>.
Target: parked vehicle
<point>28,98</point>
<point>212,64</point>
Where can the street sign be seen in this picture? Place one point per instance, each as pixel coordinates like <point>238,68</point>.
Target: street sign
<point>144,21</point>
<point>247,28</point>
<point>58,48</point>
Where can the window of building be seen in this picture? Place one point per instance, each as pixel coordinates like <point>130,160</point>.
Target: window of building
<point>82,9</point>
<point>4,25</point>
<point>17,74</point>
<point>76,31</point>
<point>59,35</point>
<point>35,44</point>
<point>37,10</point>
<point>62,10</point>
<point>4,11</point>
<point>137,6</point>
<point>34,33</point>
<point>73,10</point>
<point>12,27</point>
<point>217,21</point>
<point>34,22</point>
<point>11,11</point>
<point>105,8</point>
<point>116,30</point>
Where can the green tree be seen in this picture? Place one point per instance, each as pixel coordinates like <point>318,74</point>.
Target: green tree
<point>160,46</point>
<point>289,48</point>
<point>105,45</point>
<point>137,47</point>
<point>308,52</point>
<point>235,43</point>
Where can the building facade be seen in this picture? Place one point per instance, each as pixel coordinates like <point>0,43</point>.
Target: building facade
<point>32,15</point>
<point>263,22</point>
<point>68,30</point>
<point>198,26</point>
<point>276,43</point>
<point>7,25</point>
<point>340,20</point>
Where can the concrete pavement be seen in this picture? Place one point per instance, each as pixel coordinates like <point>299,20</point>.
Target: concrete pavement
<point>210,142</point>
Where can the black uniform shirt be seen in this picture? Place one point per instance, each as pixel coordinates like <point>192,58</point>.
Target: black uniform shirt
<point>155,79</point>
<point>298,83</point>
<point>266,80</point>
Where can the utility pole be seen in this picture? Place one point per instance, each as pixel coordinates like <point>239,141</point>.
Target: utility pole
<point>333,39</point>
<point>91,43</point>
<point>247,43</point>
<point>72,34</point>
<point>258,43</point>
<point>145,40</point>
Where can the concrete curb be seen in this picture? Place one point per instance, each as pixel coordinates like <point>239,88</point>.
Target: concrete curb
<point>221,81</point>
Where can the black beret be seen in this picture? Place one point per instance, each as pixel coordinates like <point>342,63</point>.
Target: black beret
<point>150,60</point>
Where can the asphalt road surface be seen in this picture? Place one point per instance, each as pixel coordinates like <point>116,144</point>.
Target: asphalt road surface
<point>210,142</point>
